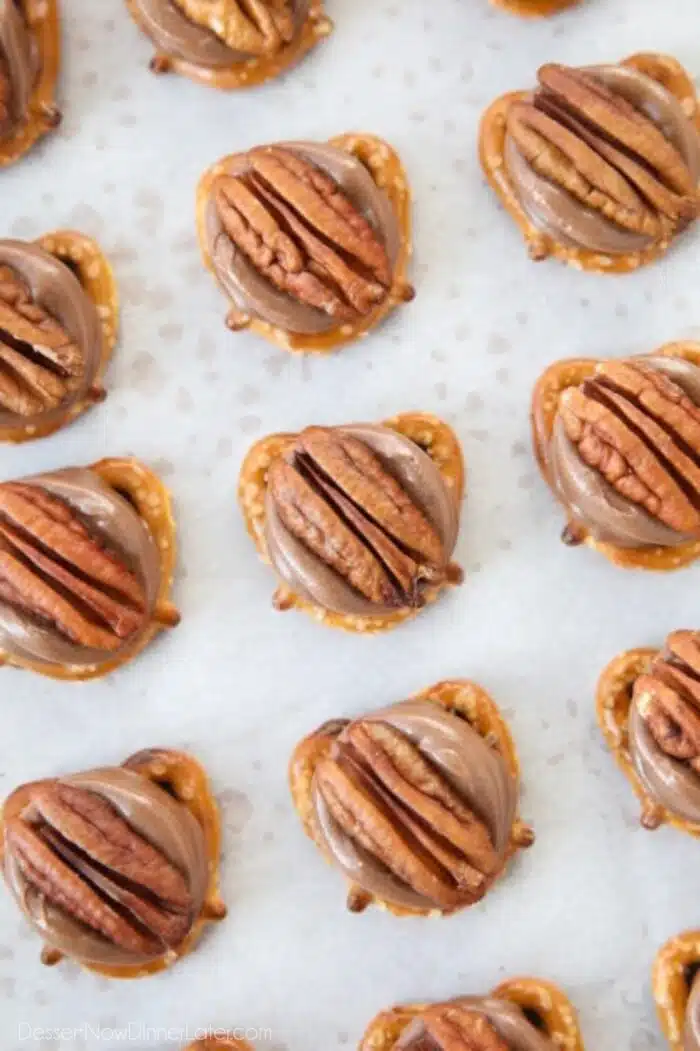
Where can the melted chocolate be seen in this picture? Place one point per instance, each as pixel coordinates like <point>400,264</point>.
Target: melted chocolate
<point>249,290</point>
<point>607,515</point>
<point>474,770</point>
<point>163,821</point>
<point>673,784</point>
<point>509,1021</point>
<point>20,53</point>
<point>175,34</point>
<point>558,214</point>
<point>55,287</point>
<point>117,522</point>
<point>308,575</point>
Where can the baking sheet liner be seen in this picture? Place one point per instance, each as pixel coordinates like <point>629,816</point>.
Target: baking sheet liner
<point>237,683</point>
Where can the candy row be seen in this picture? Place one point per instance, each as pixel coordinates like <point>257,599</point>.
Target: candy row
<point>229,44</point>
<point>520,1014</point>
<point>310,242</point>
<point>415,804</point>
<point>359,522</point>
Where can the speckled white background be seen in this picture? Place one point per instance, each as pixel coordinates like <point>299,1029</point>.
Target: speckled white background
<point>237,683</point>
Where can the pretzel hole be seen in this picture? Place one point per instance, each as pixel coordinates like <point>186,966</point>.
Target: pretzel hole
<point>536,1019</point>
<point>462,716</point>
<point>72,265</point>
<point>690,973</point>
<point>126,495</point>
<point>167,787</point>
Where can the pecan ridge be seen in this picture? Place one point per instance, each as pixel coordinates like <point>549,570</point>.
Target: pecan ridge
<point>453,1027</point>
<point>75,850</point>
<point>668,698</point>
<point>298,228</point>
<point>55,570</point>
<point>254,27</point>
<point>390,799</point>
<point>40,365</point>
<point>641,431</point>
<point>335,496</point>
<point>588,139</point>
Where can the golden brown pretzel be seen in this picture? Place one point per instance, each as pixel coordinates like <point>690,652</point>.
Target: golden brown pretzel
<point>184,778</point>
<point>385,167</point>
<point>250,72</point>
<point>152,501</point>
<point>551,1005</point>
<point>492,136</point>
<point>43,21</point>
<point>85,257</point>
<point>534,8</point>
<point>545,402</point>
<point>436,438</point>
<point>670,984</point>
<point>459,696</point>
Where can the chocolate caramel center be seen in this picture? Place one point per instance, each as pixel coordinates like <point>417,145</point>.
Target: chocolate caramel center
<point>509,1021</point>
<point>559,214</point>
<point>251,291</point>
<point>477,773</point>
<point>156,816</point>
<point>594,502</point>
<point>56,290</point>
<point>115,523</point>
<point>308,576</point>
<point>176,35</point>
<point>20,61</point>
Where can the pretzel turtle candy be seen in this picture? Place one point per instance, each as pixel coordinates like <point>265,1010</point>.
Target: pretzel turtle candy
<point>185,779</point>
<point>545,402</point>
<point>87,261</point>
<point>674,968</point>
<point>537,998</point>
<point>458,696</point>
<point>144,490</point>
<point>250,72</point>
<point>666,71</point>
<point>534,8</point>
<point>388,173</point>
<point>42,18</point>
<point>613,704</point>
<point>663,694</point>
<point>436,438</point>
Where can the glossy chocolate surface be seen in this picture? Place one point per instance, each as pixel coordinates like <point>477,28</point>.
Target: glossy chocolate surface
<point>166,823</point>
<point>558,214</point>
<point>55,288</point>
<point>116,522</point>
<point>251,292</point>
<point>597,505</point>
<point>473,769</point>
<point>176,35</point>
<point>308,575</point>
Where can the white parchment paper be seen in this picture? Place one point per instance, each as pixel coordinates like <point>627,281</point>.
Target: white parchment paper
<point>237,683</point>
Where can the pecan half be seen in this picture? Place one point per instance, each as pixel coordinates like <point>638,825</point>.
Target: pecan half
<point>297,227</point>
<point>394,803</point>
<point>40,365</point>
<point>453,1027</point>
<point>588,139</point>
<point>5,95</point>
<point>53,569</point>
<point>641,431</point>
<point>335,496</point>
<point>668,698</point>
<point>77,852</point>
<point>254,27</point>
